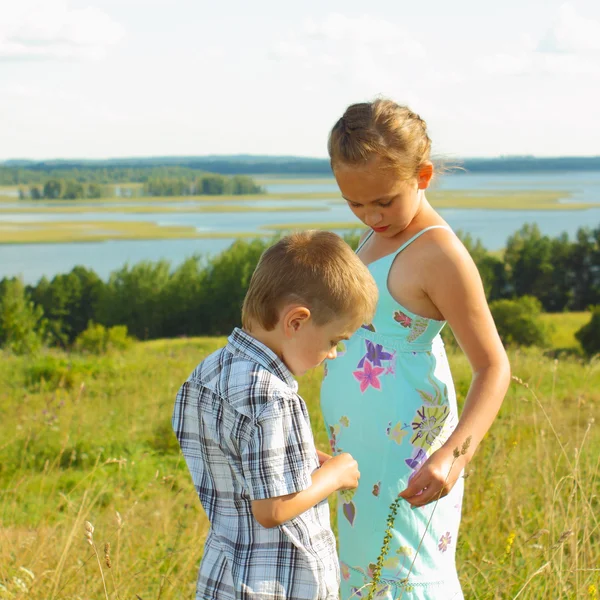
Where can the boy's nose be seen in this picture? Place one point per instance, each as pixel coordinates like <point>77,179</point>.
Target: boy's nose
<point>332,354</point>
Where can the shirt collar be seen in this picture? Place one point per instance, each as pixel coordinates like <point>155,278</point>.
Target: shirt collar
<point>250,347</point>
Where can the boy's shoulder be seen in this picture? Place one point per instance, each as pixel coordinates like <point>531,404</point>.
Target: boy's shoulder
<point>244,384</point>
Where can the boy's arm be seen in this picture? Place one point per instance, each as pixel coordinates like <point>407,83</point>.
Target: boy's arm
<point>323,457</point>
<point>340,472</point>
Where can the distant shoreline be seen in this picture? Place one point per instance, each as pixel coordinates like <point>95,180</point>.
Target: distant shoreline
<point>301,166</point>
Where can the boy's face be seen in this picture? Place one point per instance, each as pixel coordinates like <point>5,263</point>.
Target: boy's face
<point>307,345</point>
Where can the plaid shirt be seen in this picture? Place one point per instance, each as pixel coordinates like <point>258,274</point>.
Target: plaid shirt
<point>245,435</point>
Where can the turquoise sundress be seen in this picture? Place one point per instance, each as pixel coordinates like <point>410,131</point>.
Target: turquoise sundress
<point>388,399</point>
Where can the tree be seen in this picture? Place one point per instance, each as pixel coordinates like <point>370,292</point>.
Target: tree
<point>73,190</point>
<point>134,296</point>
<point>69,302</point>
<point>589,335</point>
<point>22,324</point>
<point>227,279</point>
<point>53,189</point>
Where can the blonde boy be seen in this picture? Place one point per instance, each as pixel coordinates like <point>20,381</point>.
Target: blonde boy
<point>245,432</point>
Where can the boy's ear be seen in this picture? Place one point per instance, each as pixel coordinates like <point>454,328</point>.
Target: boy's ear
<point>294,317</point>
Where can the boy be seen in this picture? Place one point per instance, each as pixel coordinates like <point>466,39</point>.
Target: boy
<point>245,432</point>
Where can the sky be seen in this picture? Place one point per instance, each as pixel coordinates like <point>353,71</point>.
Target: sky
<point>120,78</point>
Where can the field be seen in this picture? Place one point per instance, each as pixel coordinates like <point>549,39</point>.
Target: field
<point>99,231</point>
<point>86,438</point>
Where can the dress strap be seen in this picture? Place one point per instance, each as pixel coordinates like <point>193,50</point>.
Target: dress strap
<point>365,239</point>
<point>417,236</point>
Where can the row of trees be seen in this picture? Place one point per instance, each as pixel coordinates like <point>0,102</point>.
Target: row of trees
<point>65,189</point>
<point>136,169</point>
<point>204,296</point>
<point>106,175</point>
<point>210,185</point>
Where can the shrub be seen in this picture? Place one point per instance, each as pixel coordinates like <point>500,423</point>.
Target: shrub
<point>97,339</point>
<point>519,323</point>
<point>589,335</point>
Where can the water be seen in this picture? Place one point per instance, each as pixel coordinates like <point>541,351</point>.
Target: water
<point>492,226</point>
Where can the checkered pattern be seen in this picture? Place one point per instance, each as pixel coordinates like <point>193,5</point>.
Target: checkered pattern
<point>245,435</point>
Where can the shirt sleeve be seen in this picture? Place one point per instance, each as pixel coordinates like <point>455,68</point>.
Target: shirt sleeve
<point>280,456</point>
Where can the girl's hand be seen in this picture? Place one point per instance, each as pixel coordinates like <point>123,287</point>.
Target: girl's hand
<point>435,478</point>
<point>323,458</point>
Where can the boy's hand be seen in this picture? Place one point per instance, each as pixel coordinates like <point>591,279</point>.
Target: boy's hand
<point>323,457</point>
<point>345,469</point>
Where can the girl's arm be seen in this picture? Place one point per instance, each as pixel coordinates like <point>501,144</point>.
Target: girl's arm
<point>453,284</point>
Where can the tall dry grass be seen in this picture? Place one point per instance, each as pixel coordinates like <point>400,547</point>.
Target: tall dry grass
<point>88,439</point>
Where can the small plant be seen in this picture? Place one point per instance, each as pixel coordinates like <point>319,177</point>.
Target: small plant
<point>589,335</point>
<point>385,548</point>
<point>97,339</point>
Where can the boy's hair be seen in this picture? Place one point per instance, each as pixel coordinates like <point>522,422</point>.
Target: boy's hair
<point>316,269</point>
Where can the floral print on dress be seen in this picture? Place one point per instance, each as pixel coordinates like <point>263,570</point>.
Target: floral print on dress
<point>398,432</point>
<point>334,431</point>
<point>417,458</point>
<point>428,424</point>
<point>402,318</point>
<point>368,377</point>
<point>445,541</point>
<point>419,327</point>
<point>376,354</point>
<point>368,327</point>
<point>348,506</point>
<point>376,362</point>
<point>376,489</point>
<point>439,395</point>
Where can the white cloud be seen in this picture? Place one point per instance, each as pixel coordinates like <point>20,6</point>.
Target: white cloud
<point>42,29</point>
<point>366,51</point>
<point>571,32</point>
<point>569,47</point>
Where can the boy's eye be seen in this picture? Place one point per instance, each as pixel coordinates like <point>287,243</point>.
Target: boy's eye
<point>384,205</point>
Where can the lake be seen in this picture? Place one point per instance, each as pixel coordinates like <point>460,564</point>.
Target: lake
<point>32,261</point>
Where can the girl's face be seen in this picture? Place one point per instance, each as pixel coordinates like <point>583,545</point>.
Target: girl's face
<point>379,198</point>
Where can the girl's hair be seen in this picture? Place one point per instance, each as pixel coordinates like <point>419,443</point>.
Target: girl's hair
<point>380,130</point>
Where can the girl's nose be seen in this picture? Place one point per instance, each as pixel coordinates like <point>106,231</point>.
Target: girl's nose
<point>372,219</point>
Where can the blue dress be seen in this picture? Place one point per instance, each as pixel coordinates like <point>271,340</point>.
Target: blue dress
<point>389,400</point>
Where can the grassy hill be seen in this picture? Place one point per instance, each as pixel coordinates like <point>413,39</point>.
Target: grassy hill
<point>88,439</point>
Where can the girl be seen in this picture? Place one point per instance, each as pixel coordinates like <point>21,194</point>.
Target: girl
<point>389,399</point>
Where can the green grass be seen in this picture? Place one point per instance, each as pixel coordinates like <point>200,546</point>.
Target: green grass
<point>150,209</point>
<point>49,232</point>
<point>272,180</point>
<point>563,327</point>
<point>83,437</point>
<point>467,199</point>
<point>333,225</point>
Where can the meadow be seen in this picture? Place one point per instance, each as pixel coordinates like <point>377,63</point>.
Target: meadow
<point>88,439</point>
<point>41,232</point>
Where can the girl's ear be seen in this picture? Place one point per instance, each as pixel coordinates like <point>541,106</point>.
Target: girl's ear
<point>424,176</point>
